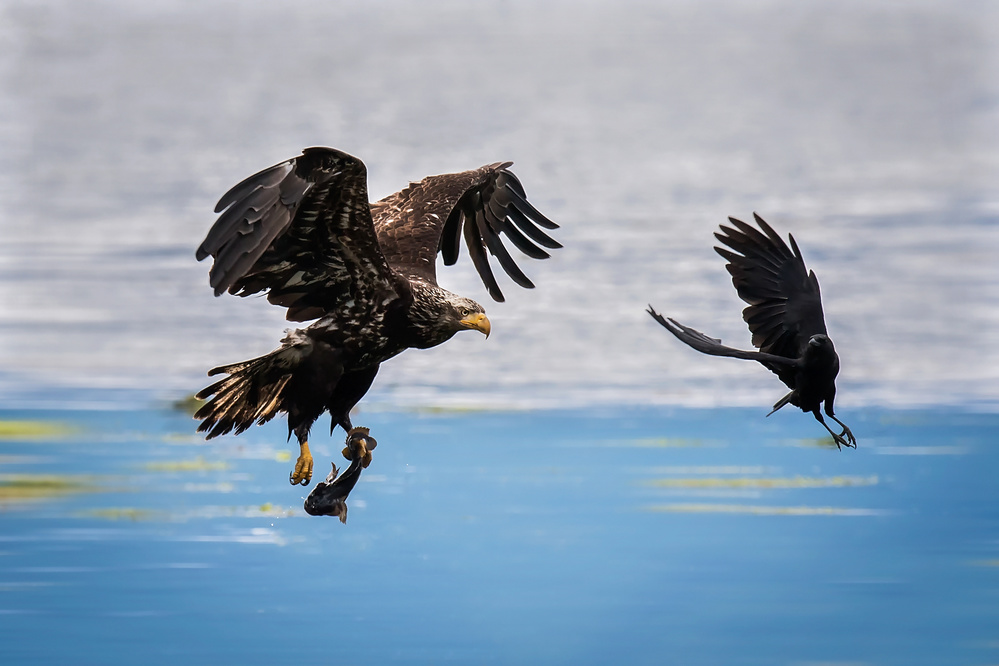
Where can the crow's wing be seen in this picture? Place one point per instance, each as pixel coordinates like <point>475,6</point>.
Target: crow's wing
<point>713,346</point>
<point>785,307</point>
<point>431,216</point>
<point>302,232</point>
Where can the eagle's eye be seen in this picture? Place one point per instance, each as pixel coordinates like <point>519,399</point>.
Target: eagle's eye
<point>465,312</point>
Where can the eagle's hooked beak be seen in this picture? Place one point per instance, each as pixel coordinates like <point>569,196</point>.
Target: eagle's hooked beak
<point>478,321</point>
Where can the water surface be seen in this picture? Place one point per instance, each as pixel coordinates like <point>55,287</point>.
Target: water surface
<point>640,536</point>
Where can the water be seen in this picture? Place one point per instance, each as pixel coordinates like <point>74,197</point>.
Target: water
<point>639,536</point>
<point>580,488</point>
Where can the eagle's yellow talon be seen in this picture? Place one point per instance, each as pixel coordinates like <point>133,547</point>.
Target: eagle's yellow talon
<point>302,473</point>
<point>359,446</point>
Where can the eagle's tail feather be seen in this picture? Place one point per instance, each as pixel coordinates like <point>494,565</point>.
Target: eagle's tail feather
<point>252,393</point>
<point>231,368</point>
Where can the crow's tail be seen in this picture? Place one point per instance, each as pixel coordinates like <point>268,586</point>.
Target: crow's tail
<point>783,401</point>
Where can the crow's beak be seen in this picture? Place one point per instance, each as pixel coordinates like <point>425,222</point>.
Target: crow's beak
<point>477,321</point>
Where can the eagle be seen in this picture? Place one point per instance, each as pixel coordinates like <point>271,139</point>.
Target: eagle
<point>784,316</point>
<point>304,233</point>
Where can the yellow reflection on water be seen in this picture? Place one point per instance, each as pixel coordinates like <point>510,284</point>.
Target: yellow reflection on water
<point>188,404</point>
<point>817,442</point>
<point>134,514</point>
<point>712,469</point>
<point>663,442</point>
<point>16,488</point>
<point>124,513</point>
<point>199,464</point>
<point>777,483</point>
<point>22,429</point>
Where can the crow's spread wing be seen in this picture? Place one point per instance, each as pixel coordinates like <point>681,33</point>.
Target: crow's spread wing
<point>785,307</point>
<point>431,216</point>
<point>301,231</point>
<point>708,345</point>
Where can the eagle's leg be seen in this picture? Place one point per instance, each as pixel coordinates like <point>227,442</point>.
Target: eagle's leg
<point>302,474</point>
<point>351,388</point>
<point>359,446</point>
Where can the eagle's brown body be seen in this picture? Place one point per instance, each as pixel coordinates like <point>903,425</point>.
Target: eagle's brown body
<point>304,232</point>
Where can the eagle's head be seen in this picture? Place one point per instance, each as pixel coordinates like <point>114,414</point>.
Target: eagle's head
<point>465,313</point>
<point>437,314</point>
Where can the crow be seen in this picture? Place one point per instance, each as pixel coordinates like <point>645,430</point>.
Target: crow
<point>784,316</point>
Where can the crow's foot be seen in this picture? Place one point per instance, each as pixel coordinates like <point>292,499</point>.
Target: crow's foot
<point>845,438</point>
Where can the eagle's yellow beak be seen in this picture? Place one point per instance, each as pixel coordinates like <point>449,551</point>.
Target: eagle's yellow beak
<point>478,321</point>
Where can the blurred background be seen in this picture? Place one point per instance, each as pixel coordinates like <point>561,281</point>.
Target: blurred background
<point>869,130</point>
<point>581,488</point>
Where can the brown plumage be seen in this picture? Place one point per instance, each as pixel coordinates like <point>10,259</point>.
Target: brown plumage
<point>784,315</point>
<point>304,233</point>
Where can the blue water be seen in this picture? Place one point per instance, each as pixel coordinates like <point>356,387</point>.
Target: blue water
<point>633,536</point>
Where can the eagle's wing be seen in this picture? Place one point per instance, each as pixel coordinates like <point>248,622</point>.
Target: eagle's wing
<point>431,216</point>
<point>785,307</point>
<point>301,231</point>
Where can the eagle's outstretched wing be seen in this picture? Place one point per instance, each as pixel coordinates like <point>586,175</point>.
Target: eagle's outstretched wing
<point>785,307</point>
<point>301,231</point>
<point>431,216</point>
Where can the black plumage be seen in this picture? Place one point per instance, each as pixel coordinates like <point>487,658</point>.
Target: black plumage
<point>784,316</point>
<point>304,233</point>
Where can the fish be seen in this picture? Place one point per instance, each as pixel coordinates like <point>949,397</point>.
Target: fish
<point>329,497</point>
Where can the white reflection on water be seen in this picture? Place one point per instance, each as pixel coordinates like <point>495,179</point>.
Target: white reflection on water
<point>870,131</point>
<point>759,510</point>
<point>256,535</point>
<point>921,450</point>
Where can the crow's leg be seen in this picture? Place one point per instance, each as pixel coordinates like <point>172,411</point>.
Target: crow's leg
<point>849,439</point>
<point>838,438</point>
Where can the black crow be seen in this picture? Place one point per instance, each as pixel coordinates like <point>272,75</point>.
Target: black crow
<point>784,316</point>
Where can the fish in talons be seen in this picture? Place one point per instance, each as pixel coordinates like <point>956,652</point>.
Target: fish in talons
<point>329,497</point>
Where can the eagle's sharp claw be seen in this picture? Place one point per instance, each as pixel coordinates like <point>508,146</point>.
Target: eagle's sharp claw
<point>302,474</point>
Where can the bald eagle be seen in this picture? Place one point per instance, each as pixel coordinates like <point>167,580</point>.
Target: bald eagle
<point>784,316</point>
<point>304,233</point>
